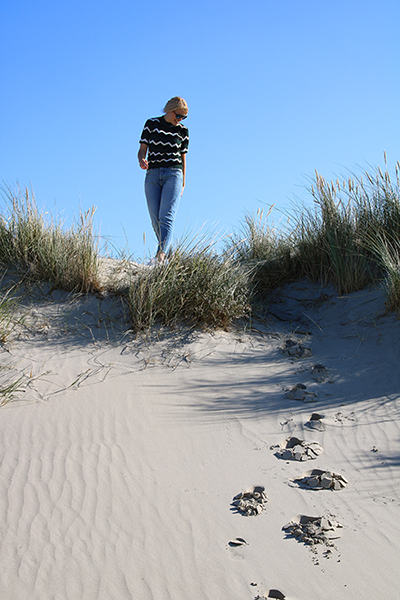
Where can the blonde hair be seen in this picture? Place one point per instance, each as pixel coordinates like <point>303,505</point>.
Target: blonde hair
<point>176,103</point>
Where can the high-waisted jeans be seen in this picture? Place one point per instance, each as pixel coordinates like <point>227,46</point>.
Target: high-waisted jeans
<point>163,188</point>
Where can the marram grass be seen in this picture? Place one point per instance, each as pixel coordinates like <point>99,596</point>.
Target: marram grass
<point>347,236</point>
<point>196,286</point>
<point>266,250</point>
<point>42,249</point>
<point>9,384</point>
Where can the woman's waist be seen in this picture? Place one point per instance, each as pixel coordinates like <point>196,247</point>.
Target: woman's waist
<point>154,166</point>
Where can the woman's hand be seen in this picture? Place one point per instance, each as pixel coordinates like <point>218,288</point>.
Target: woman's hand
<point>143,164</point>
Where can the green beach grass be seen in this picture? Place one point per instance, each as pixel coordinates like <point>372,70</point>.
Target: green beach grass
<point>348,236</point>
<point>196,286</point>
<point>9,383</point>
<point>41,249</point>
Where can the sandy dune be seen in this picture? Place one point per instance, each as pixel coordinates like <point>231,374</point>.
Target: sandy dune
<point>121,455</point>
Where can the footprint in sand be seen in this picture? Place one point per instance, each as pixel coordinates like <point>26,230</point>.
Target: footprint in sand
<point>251,502</point>
<point>313,530</point>
<point>316,479</point>
<point>237,548</point>
<point>316,422</point>
<point>295,449</point>
<point>320,373</point>
<point>298,392</point>
<point>295,349</point>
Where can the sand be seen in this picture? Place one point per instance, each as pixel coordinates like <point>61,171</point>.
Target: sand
<point>121,454</point>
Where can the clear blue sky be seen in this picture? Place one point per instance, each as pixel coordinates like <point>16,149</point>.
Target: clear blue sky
<point>275,88</point>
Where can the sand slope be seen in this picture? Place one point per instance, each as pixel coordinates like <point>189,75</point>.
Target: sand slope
<point>121,457</point>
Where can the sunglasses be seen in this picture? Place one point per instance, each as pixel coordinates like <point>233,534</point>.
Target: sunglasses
<point>180,117</point>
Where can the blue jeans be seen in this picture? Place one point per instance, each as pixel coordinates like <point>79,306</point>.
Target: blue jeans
<point>163,188</point>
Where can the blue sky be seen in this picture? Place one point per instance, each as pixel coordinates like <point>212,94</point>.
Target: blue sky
<point>275,88</point>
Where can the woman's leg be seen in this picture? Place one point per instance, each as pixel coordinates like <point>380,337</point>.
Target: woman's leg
<point>170,196</point>
<point>153,189</point>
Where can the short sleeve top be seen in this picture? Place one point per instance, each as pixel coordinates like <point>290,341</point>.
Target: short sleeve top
<point>166,143</point>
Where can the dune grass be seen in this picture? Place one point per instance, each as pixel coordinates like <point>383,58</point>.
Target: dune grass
<point>196,286</point>
<point>387,250</point>
<point>330,238</point>
<point>8,303</point>
<point>348,236</point>
<point>9,384</point>
<point>42,249</point>
<point>268,251</point>
<point>343,240</point>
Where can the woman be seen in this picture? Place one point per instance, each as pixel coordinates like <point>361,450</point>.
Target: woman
<point>165,142</point>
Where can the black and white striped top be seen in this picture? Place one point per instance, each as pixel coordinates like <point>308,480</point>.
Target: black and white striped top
<point>166,143</point>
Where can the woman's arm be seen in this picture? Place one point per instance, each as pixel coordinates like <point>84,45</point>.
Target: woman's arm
<point>183,170</point>
<point>142,156</point>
